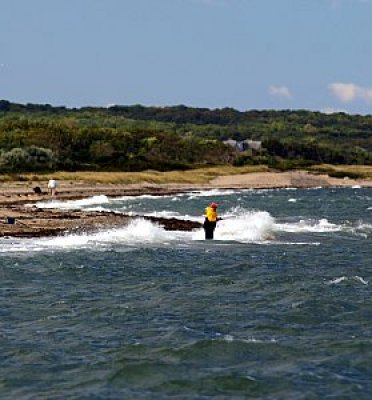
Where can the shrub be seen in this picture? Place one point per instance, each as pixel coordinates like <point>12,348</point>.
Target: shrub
<point>345,174</point>
<point>28,159</point>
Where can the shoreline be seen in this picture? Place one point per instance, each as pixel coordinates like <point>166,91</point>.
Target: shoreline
<point>38,222</point>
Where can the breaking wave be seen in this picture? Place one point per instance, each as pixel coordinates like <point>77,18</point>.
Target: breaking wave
<point>74,204</point>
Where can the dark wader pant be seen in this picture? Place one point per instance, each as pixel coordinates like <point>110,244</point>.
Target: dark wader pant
<point>209,228</point>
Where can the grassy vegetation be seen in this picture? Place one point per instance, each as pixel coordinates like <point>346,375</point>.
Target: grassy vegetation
<point>341,171</point>
<point>195,176</point>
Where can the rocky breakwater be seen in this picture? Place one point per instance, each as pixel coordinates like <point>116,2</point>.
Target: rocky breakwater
<point>20,221</point>
<point>17,219</point>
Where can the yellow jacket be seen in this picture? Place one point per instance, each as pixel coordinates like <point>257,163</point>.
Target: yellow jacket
<point>211,214</point>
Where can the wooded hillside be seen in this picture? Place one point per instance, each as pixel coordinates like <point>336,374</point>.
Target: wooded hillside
<point>45,138</point>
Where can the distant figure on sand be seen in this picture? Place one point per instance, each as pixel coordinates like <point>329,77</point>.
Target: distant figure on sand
<point>52,187</point>
<point>210,221</point>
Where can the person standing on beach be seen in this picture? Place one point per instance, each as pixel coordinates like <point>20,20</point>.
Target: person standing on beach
<point>210,221</point>
<point>52,187</point>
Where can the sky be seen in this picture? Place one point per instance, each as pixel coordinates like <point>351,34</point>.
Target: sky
<point>245,54</point>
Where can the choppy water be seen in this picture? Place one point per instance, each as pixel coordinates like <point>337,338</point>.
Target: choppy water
<point>278,307</point>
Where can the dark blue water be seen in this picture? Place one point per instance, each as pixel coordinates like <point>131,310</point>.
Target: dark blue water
<point>286,315</point>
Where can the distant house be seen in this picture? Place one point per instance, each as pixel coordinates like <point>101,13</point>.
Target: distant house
<point>248,144</point>
<point>233,143</point>
<point>244,145</point>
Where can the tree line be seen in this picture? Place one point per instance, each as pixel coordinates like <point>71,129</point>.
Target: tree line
<point>44,138</point>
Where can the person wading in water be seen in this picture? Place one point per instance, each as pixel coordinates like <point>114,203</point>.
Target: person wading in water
<point>210,221</point>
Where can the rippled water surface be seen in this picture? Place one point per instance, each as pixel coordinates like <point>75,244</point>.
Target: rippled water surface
<point>277,307</point>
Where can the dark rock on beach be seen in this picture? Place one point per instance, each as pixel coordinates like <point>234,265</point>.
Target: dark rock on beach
<point>174,224</point>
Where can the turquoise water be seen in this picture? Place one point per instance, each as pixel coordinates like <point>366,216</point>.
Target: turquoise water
<point>277,307</point>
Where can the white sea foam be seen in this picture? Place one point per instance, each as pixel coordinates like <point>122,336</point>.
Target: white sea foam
<point>360,279</point>
<point>337,280</point>
<point>322,225</point>
<point>102,199</point>
<point>238,224</point>
<point>166,214</point>
<point>364,227</point>
<point>171,214</point>
<point>144,197</point>
<point>138,232</point>
<point>230,339</point>
<point>246,227</point>
<point>74,204</point>
<point>344,278</point>
<point>99,209</point>
<point>211,193</point>
<point>284,243</point>
<point>97,203</point>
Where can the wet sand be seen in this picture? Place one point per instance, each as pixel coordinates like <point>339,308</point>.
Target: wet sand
<point>16,199</point>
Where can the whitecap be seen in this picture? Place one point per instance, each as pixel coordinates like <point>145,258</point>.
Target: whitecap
<point>137,233</point>
<point>229,338</point>
<point>337,280</point>
<point>249,226</point>
<point>164,214</point>
<point>364,227</point>
<point>360,279</point>
<point>322,225</point>
<point>210,193</point>
<point>74,204</point>
<point>171,214</point>
<point>294,243</point>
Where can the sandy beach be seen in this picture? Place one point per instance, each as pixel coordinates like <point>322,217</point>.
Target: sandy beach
<point>18,218</point>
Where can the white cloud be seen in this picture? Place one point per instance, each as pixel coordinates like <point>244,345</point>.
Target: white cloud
<point>280,91</point>
<point>348,92</point>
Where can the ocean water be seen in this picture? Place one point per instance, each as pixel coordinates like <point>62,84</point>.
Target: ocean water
<point>277,307</point>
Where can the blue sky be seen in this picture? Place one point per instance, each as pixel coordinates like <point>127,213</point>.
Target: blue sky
<point>246,54</point>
